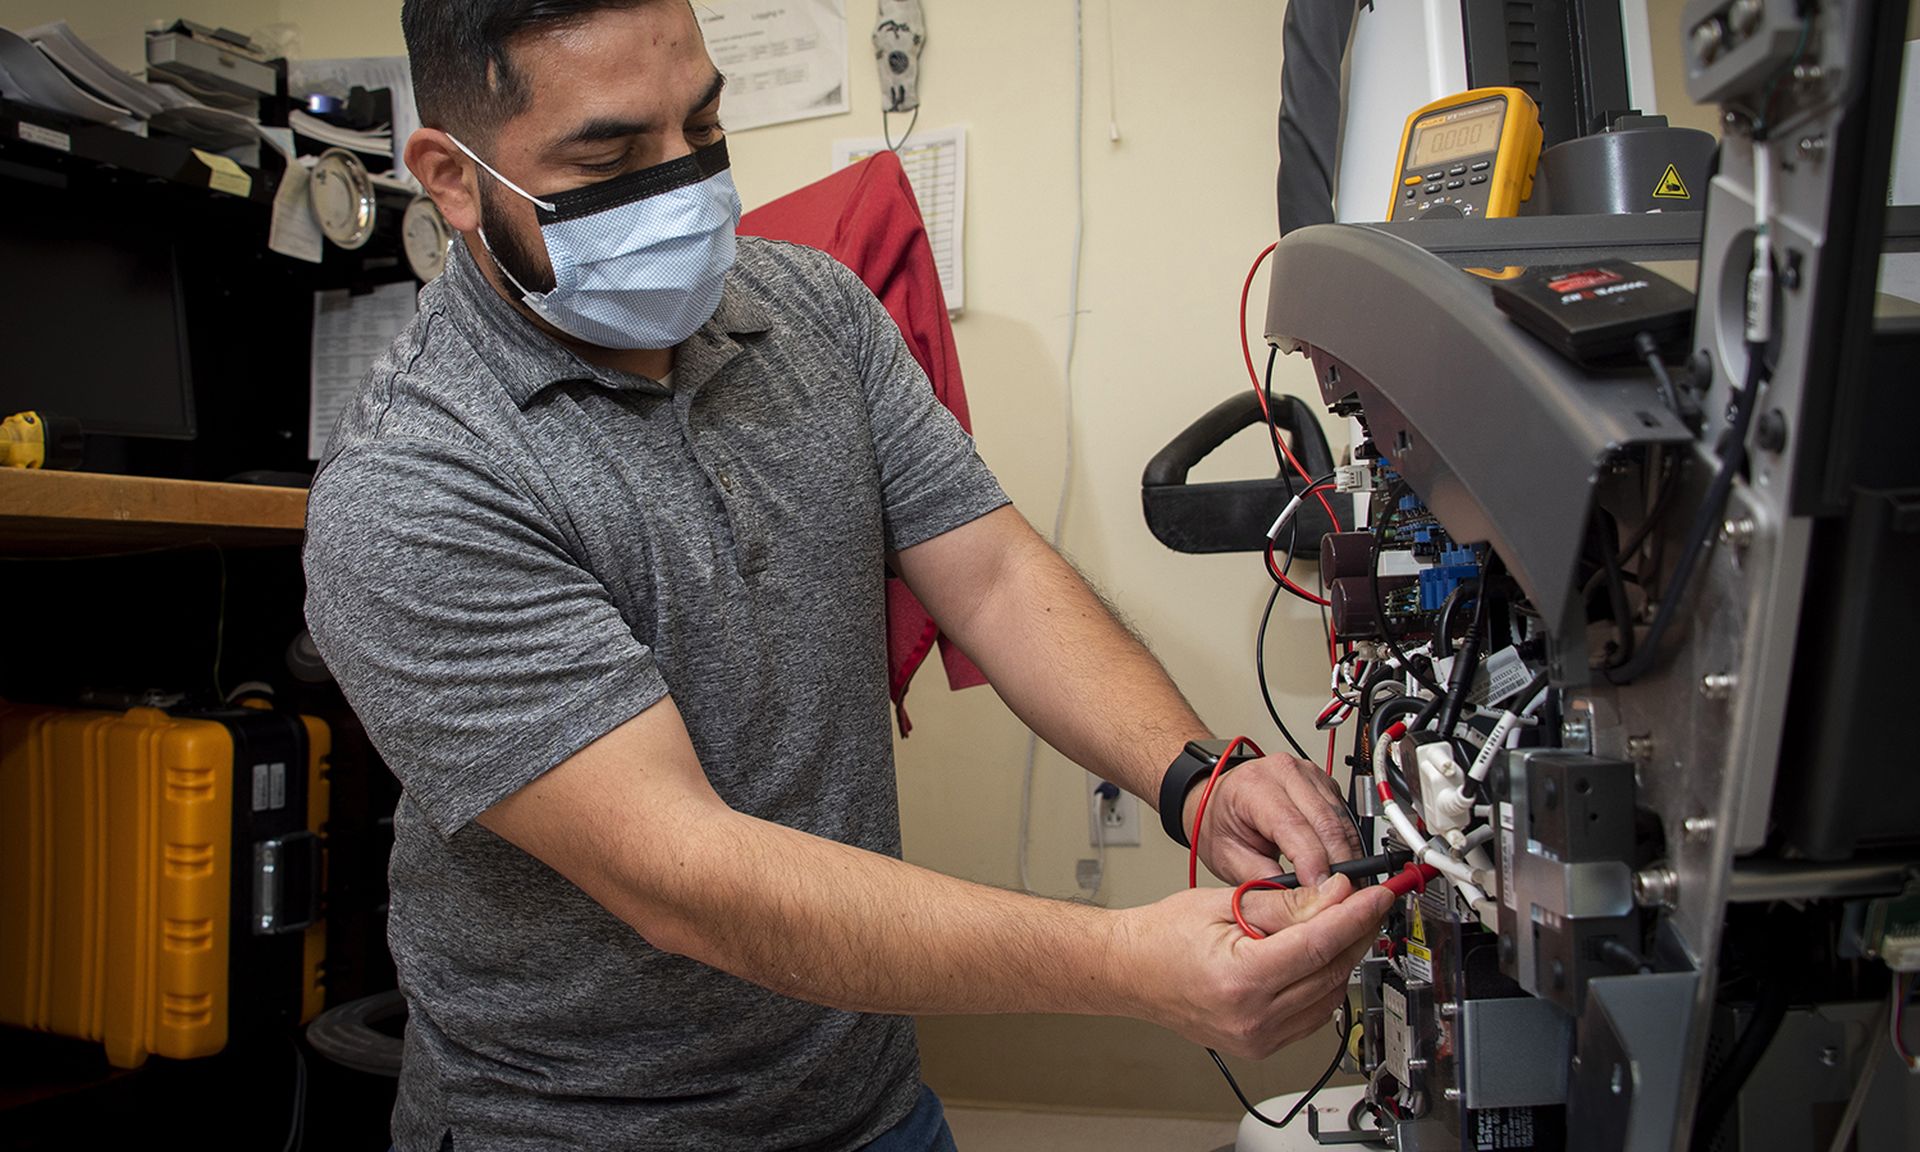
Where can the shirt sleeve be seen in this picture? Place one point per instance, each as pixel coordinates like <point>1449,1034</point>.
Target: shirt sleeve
<point>932,479</point>
<point>475,650</point>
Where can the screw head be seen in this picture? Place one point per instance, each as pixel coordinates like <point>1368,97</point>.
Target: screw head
<point>1698,829</point>
<point>1706,39</point>
<point>1450,1094</point>
<point>1737,531</point>
<point>1771,430</point>
<point>1655,887</point>
<point>1830,1055</point>
<point>1718,685</point>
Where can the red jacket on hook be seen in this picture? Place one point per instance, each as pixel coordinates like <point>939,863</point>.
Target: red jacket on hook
<point>866,217</point>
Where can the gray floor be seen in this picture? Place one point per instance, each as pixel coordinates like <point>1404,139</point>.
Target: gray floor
<point>985,1130</point>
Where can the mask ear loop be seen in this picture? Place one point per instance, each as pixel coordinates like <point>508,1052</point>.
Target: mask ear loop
<point>523,194</point>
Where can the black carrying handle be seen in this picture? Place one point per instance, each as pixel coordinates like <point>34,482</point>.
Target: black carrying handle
<point>1234,515</point>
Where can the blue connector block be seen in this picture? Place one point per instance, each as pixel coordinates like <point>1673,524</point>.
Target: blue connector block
<point>1457,566</point>
<point>1409,503</point>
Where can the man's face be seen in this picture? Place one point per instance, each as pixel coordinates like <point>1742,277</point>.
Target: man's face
<point>622,90</point>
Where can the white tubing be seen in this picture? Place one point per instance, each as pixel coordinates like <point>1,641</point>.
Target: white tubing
<point>1286,514</point>
<point>1477,837</point>
<point>1496,740</point>
<point>1397,816</point>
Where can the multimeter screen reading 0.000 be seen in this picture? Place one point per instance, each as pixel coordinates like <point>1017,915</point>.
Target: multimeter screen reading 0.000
<point>1456,134</point>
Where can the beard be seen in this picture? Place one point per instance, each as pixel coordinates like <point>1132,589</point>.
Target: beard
<point>526,262</point>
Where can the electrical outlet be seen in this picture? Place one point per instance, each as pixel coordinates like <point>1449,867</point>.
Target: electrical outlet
<point>1116,821</point>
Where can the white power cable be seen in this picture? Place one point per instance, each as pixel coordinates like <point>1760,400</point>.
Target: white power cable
<point>1073,339</point>
<point>1113,82</point>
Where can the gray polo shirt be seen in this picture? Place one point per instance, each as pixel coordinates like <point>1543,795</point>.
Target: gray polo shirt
<point>509,553</point>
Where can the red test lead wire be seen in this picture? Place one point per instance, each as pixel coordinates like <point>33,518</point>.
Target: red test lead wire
<point>1259,389</point>
<point>1200,813</point>
<point>1412,878</point>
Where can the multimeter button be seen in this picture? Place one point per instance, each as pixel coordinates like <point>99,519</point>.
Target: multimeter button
<point>1410,192</point>
<point>1435,175</point>
<point>1411,181</point>
<point>1481,167</point>
<point>1456,183</point>
<point>1476,180</point>
<point>1457,170</point>
<point>1432,188</point>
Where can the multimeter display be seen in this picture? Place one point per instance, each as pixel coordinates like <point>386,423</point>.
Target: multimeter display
<point>1466,156</point>
<point>1456,135</point>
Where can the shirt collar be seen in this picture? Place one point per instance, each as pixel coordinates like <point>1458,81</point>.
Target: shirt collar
<point>529,361</point>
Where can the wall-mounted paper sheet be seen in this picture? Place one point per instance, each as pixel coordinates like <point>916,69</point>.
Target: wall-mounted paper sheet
<point>783,59</point>
<point>349,333</point>
<point>936,164</point>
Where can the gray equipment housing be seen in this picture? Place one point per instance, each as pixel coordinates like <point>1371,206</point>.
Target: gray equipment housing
<point>1509,445</point>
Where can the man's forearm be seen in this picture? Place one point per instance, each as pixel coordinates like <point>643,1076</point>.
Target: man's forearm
<point>835,925</point>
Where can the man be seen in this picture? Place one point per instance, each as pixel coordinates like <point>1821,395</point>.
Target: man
<point>598,556</point>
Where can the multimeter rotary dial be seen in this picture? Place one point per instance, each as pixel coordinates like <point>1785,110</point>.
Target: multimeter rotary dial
<point>1444,208</point>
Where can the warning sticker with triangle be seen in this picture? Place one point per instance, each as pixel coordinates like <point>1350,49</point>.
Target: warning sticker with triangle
<point>1671,186</point>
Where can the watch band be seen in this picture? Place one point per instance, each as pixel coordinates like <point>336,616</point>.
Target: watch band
<point>1194,764</point>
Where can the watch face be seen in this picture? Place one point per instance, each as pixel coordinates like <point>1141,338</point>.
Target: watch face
<point>425,236</point>
<point>343,202</point>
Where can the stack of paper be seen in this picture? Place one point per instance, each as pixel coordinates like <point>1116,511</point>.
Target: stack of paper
<point>215,128</point>
<point>93,70</point>
<point>377,142</point>
<point>29,77</point>
<point>168,108</point>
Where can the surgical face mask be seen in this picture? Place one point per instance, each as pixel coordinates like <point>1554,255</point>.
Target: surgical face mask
<point>639,261</point>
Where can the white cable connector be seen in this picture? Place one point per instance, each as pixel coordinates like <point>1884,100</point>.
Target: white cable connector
<point>1760,279</point>
<point>1353,478</point>
<point>1447,806</point>
<point>1468,880</point>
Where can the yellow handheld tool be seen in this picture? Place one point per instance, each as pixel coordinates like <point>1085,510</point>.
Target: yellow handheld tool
<point>35,440</point>
<point>1467,156</point>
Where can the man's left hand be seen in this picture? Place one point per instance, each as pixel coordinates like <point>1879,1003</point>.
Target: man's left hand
<point>1274,806</point>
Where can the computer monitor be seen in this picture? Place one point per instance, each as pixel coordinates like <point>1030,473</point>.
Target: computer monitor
<point>91,300</point>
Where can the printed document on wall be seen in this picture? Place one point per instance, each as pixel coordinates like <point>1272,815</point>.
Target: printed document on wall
<point>349,334</point>
<point>936,165</point>
<point>783,59</point>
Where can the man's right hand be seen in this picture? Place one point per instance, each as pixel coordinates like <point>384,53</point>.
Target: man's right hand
<point>1194,971</point>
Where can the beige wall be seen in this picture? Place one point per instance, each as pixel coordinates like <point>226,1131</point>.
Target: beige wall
<point>1670,69</point>
<point>117,27</point>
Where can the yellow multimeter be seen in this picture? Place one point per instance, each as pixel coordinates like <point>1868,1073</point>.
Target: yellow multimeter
<point>1467,156</point>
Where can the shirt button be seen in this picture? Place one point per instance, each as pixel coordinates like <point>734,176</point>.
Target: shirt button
<point>726,480</point>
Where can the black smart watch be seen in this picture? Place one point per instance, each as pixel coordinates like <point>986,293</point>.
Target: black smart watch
<point>1194,764</point>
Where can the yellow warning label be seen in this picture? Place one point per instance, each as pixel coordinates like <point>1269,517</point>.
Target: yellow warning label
<point>1419,925</point>
<point>1671,186</point>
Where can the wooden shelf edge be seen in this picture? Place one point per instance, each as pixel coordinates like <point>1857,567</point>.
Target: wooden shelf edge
<point>84,508</point>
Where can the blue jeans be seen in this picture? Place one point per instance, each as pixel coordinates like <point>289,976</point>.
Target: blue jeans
<point>924,1129</point>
